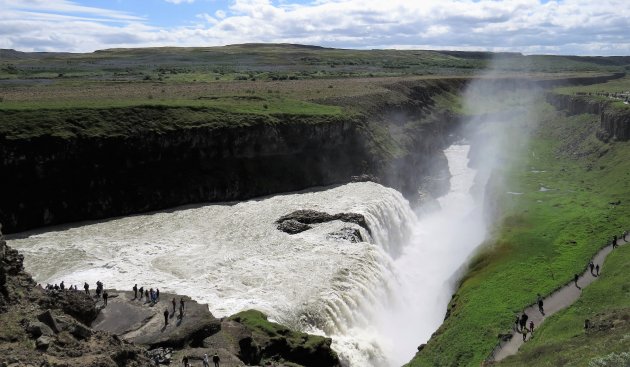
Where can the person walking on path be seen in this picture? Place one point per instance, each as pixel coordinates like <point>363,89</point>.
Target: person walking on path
<point>625,233</point>
<point>517,323</point>
<point>105,295</point>
<point>524,332</point>
<point>523,323</point>
<point>135,291</point>
<point>614,241</point>
<point>591,266</point>
<point>597,269</point>
<point>540,306</point>
<point>174,304</point>
<point>86,286</point>
<point>206,361</point>
<point>216,360</point>
<point>575,280</point>
<point>185,362</point>
<point>531,328</point>
<point>165,317</point>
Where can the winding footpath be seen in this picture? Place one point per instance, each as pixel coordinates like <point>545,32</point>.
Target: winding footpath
<point>558,300</point>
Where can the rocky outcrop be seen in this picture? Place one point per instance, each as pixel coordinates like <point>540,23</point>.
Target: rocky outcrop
<point>306,217</point>
<point>35,329</point>
<point>614,121</point>
<point>260,340</point>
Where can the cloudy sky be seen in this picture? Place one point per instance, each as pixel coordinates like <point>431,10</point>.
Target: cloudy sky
<point>581,27</point>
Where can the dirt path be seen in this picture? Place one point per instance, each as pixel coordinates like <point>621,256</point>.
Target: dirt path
<point>558,300</point>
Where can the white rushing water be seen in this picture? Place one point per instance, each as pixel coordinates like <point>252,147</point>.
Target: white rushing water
<point>378,301</point>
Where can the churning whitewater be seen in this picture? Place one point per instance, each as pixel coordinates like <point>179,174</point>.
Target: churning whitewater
<point>378,300</point>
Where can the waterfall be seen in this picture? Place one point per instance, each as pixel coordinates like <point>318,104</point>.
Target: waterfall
<point>377,299</point>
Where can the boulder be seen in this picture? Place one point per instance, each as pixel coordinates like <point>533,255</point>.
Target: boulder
<point>291,226</point>
<point>313,217</point>
<point>43,342</point>
<point>76,304</point>
<point>38,328</point>
<point>47,318</point>
<point>81,331</point>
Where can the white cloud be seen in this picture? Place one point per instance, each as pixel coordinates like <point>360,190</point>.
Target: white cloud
<point>564,27</point>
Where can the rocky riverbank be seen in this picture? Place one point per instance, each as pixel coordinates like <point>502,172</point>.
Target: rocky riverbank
<point>70,328</point>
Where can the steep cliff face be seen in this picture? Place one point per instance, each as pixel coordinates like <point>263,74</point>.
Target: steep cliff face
<point>614,121</point>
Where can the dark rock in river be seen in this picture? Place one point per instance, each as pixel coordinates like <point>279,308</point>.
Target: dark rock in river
<point>313,217</point>
<point>291,226</point>
<point>347,234</point>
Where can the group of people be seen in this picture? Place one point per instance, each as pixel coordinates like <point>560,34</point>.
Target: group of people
<point>521,320</point>
<point>149,295</point>
<point>181,310</point>
<point>205,360</point>
<point>100,290</point>
<point>521,325</point>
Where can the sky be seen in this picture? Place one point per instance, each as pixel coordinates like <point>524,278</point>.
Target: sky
<point>568,27</point>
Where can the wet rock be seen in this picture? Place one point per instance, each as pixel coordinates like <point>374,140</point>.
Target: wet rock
<point>313,217</point>
<point>364,178</point>
<point>292,226</point>
<point>347,234</point>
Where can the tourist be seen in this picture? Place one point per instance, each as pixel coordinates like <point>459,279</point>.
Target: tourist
<point>165,317</point>
<point>174,303</point>
<point>597,269</point>
<point>181,308</point>
<point>141,292</point>
<point>135,291</point>
<point>206,361</point>
<point>157,294</point>
<point>185,362</point>
<point>216,360</point>
<point>575,280</point>
<point>146,295</point>
<point>517,322</point>
<point>531,327</point>
<point>524,318</point>
<point>87,288</point>
<point>591,266</point>
<point>62,286</point>
<point>105,295</point>
<point>524,331</point>
<point>540,306</point>
<point>614,241</point>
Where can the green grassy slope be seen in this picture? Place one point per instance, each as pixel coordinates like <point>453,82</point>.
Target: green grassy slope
<point>543,237</point>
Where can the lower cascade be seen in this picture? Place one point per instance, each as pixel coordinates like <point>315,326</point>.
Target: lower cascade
<point>378,299</point>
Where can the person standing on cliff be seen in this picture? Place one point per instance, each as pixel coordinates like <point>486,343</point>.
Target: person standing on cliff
<point>165,317</point>
<point>157,294</point>
<point>181,308</point>
<point>141,292</point>
<point>135,291</point>
<point>105,295</point>
<point>216,360</point>
<point>174,304</point>
<point>87,288</point>
<point>206,361</point>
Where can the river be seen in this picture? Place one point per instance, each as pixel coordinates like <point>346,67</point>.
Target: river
<point>377,299</point>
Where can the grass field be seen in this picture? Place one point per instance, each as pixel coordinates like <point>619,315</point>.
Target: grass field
<point>544,237</point>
